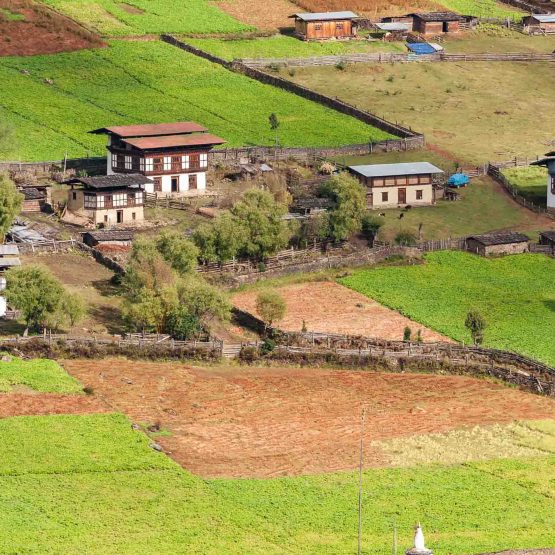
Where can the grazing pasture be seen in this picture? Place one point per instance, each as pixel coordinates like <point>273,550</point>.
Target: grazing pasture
<point>53,117</point>
<point>28,28</point>
<point>531,182</point>
<point>445,102</point>
<point>516,294</point>
<point>142,17</point>
<point>96,477</point>
<point>267,422</point>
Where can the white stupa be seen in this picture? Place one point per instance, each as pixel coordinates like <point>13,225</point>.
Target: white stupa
<point>419,545</point>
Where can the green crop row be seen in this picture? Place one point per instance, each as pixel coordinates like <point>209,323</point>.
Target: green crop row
<point>516,295</point>
<point>141,17</point>
<point>96,487</point>
<point>38,374</point>
<point>53,101</point>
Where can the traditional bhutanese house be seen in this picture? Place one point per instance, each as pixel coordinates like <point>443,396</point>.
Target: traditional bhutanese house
<point>109,200</point>
<point>436,23</point>
<point>539,23</point>
<point>390,185</point>
<point>549,163</point>
<point>488,244</point>
<point>173,155</point>
<point>326,25</point>
<point>118,237</point>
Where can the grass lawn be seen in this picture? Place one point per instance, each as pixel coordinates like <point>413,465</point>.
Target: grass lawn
<point>461,107</point>
<point>531,182</point>
<point>90,484</point>
<point>281,46</point>
<point>140,17</point>
<point>483,206</point>
<point>181,86</point>
<point>38,374</point>
<point>516,294</point>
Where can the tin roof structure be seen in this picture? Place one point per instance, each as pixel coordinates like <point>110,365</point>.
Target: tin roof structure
<point>387,170</point>
<point>151,129</point>
<point>325,16</point>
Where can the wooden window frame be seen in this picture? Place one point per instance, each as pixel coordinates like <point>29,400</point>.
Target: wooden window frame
<point>158,184</point>
<point>385,196</point>
<point>419,194</point>
<point>193,180</point>
<point>552,184</point>
<point>158,164</point>
<point>176,163</point>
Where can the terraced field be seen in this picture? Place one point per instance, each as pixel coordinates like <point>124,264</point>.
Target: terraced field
<point>121,85</point>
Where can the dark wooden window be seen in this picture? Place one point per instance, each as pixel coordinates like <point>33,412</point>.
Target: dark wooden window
<point>194,161</point>
<point>120,161</point>
<point>385,197</point>
<point>192,182</point>
<point>108,201</point>
<point>157,183</point>
<point>553,184</point>
<point>318,27</point>
<point>175,183</point>
<point>176,163</point>
<point>339,26</point>
<point>419,194</point>
<point>74,194</point>
<point>158,164</point>
<point>136,163</point>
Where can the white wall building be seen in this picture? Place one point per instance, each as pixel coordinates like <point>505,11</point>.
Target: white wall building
<point>549,163</point>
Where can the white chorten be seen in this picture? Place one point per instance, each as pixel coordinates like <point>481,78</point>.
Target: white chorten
<point>419,544</point>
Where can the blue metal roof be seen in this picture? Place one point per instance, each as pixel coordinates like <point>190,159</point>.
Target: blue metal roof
<point>421,48</point>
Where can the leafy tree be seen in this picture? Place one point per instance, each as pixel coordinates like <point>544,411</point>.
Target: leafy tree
<point>273,121</point>
<point>73,307</point>
<point>179,252</point>
<point>407,333</point>
<point>476,324</point>
<point>203,301</point>
<point>229,237</point>
<point>370,227</point>
<point>181,324</point>
<point>348,205</point>
<point>405,239</point>
<point>204,238</point>
<point>35,292</point>
<point>10,204</point>
<point>271,307</point>
<point>261,218</point>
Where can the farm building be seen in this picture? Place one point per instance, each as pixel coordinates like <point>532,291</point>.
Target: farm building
<point>547,238</point>
<point>541,24</point>
<point>33,199</point>
<point>430,23</point>
<point>549,163</point>
<point>120,237</point>
<point>310,206</point>
<point>509,242</point>
<point>390,185</point>
<point>326,25</point>
<point>394,30</point>
<point>173,155</point>
<point>108,200</point>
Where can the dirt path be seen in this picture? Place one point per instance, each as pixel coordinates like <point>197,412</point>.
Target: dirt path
<point>332,308</point>
<point>264,422</point>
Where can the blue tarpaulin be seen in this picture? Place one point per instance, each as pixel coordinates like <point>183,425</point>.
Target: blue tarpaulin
<point>458,180</point>
<point>421,48</point>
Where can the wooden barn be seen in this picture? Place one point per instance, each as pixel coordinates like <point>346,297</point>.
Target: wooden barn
<point>33,199</point>
<point>547,238</point>
<point>436,23</point>
<point>119,237</point>
<point>489,244</point>
<point>391,185</point>
<point>539,24</point>
<point>326,25</point>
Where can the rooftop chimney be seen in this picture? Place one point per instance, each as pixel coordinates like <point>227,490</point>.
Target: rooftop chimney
<point>419,546</point>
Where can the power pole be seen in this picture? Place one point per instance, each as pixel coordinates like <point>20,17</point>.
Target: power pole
<point>361,461</point>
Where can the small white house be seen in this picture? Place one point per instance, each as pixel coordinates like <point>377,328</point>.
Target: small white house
<point>549,163</point>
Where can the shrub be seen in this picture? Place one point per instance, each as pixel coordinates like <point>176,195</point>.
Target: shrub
<point>476,324</point>
<point>405,239</point>
<point>407,333</point>
<point>270,306</point>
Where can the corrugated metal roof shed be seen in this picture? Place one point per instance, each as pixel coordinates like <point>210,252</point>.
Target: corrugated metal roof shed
<point>548,235</point>
<point>324,16</point>
<point>152,129</point>
<point>438,16</point>
<point>404,168</point>
<point>501,238</point>
<point>7,250</point>
<point>421,48</point>
<point>9,262</point>
<point>111,181</point>
<point>394,26</point>
<point>110,235</point>
<point>544,18</point>
<point>197,139</point>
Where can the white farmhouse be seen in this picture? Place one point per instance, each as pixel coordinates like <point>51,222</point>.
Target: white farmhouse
<point>549,163</point>
<point>173,155</point>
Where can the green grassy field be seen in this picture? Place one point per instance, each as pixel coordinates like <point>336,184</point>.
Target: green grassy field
<point>95,487</point>
<point>531,182</point>
<point>482,8</point>
<point>516,294</point>
<point>281,46</point>
<point>38,374</point>
<point>447,103</point>
<point>134,82</point>
<point>140,17</point>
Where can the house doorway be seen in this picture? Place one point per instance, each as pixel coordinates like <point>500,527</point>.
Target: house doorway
<point>192,182</point>
<point>402,196</point>
<point>445,28</point>
<point>119,216</point>
<point>175,184</point>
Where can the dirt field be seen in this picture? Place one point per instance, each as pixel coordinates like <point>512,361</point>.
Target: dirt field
<point>372,9</point>
<point>23,404</point>
<point>264,15</point>
<point>330,307</point>
<point>27,28</point>
<point>264,422</point>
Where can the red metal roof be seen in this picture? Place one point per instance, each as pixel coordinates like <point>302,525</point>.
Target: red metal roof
<point>153,129</point>
<point>199,139</point>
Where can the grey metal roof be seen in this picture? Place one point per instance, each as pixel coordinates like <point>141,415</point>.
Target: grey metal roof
<point>404,168</point>
<point>544,18</point>
<point>30,193</point>
<point>9,262</point>
<point>113,181</point>
<point>6,250</point>
<point>500,238</point>
<point>325,16</point>
<point>394,26</point>
<point>550,160</point>
<point>438,16</point>
<point>548,235</point>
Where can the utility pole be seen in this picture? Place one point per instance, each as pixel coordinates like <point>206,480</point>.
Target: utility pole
<point>361,461</point>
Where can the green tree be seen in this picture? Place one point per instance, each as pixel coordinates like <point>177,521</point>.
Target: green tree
<point>274,125</point>
<point>182,325</point>
<point>230,237</point>
<point>73,307</point>
<point>180,253</point>
<point>204,238</point>
<point>476,324</point>
<point>370,227</point>
<point>407,334</point>
<point>270,306</point>
<point>261,218</point>
<point>35,292</point>
<point>10,204</point>
<point>348,205</point>
<point>405,239</point>
<point>203,301</point>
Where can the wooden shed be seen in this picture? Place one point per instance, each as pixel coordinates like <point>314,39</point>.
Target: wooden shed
<point>547,238</point>
<point>326,25</point>
<point>437,23</point>
<point>539,24</point>
<point>108,237</point>
<point>33,199</point>
<point>489,244</point>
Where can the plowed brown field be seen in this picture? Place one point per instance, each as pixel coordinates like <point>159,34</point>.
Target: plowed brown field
<point>328,307</point>
<point>262,14</point>
<point>26,404</point>
<point>264,422</point>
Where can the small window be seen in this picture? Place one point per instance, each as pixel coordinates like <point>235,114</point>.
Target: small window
<point>149,164</point>
<point>136,163</point>
<point>339,26</point>
<point>157,183</point>
<point>194,160</point>
<point>419,194</point>
<point>128,162</point>
<point>167,163</point>
<point>185,162</point>
<point>204,160</point>
<point>74,195</point>
<point>106,219</point>
<point>553,184</point>
<point>385,197</point>
<point>318,27</point>
<point>176,163</point>
<point>158,164</point>
<point>133,216</point>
